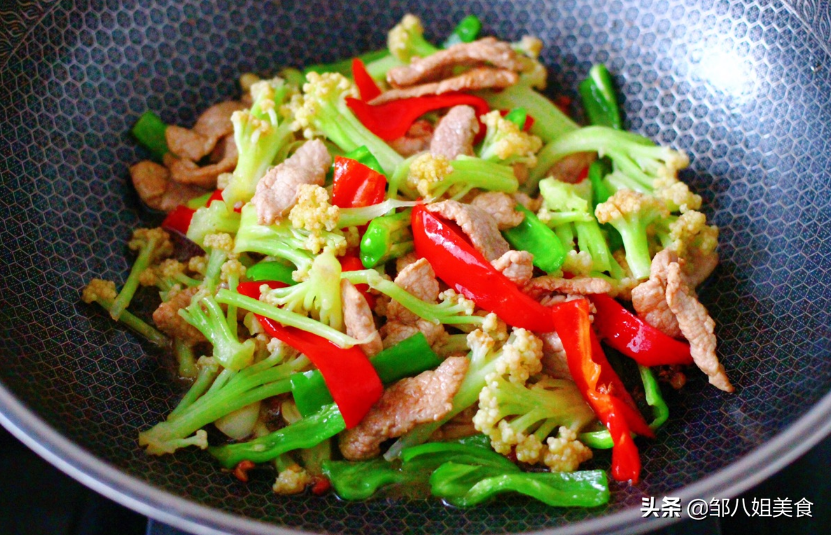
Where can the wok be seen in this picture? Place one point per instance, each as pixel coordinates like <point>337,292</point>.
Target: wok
<point>744,87</point>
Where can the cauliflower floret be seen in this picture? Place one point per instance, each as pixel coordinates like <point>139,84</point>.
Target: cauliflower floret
<point>144,236</point>
<point>578,262</point>
<point>313,211</point>
<point>221,241</point>
<point>565,453</point>
<point>198,264</point>
<point>529,45</point>
<point>451,297</point>
<point>506,143</point>
<point>495,327</point>
<point>521,356</point>
<point>292,480</point>
<point>318,89</point>
<point>674,193</point>
<point>427,170</point>
<point>406,39</point>
<point>690,230</point>
<point>99,289</point>
<point>232,268</point>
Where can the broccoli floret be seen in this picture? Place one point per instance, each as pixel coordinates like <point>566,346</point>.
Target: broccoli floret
<point>259,133</point>
<point>518,357</point>
<point>318,296</point>
<point>282,240</point>
<point>454,309</point>
<point>210,220</point>
<point>631,213</point>
<point>638,162</point>
<point>205,314</point>
<point>520,416</point>
<point>432,176</point>
<point>386,238</point>
<point>152,244</point>
<point>563,203</point>
<point>406,40</point>
<point>314,214</point>
<point>505,143</point>
<point>103,292</point>
<point>322,110</point>
<point>228,392</point>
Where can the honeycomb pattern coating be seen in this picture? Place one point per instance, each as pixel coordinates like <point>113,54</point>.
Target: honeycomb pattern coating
<point>741,85</point>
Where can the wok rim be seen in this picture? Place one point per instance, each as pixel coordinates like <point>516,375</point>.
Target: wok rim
<point>130,491</point>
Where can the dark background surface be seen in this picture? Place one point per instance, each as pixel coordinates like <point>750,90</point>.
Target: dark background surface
<point>37,499</point>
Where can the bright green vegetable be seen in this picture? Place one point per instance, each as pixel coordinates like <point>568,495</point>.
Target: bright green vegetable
<point>405,359</point>
<point>205,314</point>
<point>362,215</point>
<point>360,480</point>
<point>259,134</point>
<point>229,391</point>
<point>518,116</point>
<point>599,99</point>
<point>211,220</point>
<point>151,245</point>
<point>364,156</point>
<point>185,359</point>
<point>433,176</point>
<point>103,293</point>
<point>534,236</point>
<point>149,130</point>
<point>199,202</point>
<point>465,485</point>
<point>271,271</point>
<point>386,238</point>
<point>406,40</point>
<point>304,433</point>
<point>465,32</point>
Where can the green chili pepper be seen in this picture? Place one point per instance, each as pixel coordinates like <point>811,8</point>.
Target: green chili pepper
<point>427,457</point>
<point>601,193</point>
<point>199,202</point>
<point>386,237</point>
<point>465,485</point>
<point>149,131</point>
<point>518,116</point>
<point>407,358</point>
<point>465,32</point>
<point>534,236</point>
<point>364,156</point>
<point>360,480</point>
<point>599,98</point>
<point>304,433</point>
<point>271,271</point>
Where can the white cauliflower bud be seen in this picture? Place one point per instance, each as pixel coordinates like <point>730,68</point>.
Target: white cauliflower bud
<point>521,356</point>
<point>232,268</point>
<point>313,211</point>
<point>578,263</point>
<point>450,296</point>
<point>565,453</point>
<point>292,480</point>
<point>495,327</point>
<point>198,264</point>
<point>318,89</point>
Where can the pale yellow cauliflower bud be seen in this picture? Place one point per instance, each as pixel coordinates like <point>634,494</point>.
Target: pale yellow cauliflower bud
<point>426,171</point>
<point>292,480</point>
<point>691,230</point>
<point>318,89</point>
<point>198,264</point>
<point>171,268</point>
<point>530,450</point>
<point>495,327</point>
<point>578,262</point>
<point>676,194</point>
<point>312,211</point>
<point>450,296</point>
<point>506,142</point>
<point>99,289</point>
<point>529,45</point>
<point>625,203</point>
<point>232,268</point>
<point>162,245</point>
<point>221,241</point>
<point>564,453</point>
<point>521,356</point>
<point>401,34</point>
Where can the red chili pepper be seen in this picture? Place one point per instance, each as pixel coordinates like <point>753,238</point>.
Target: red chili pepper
<point>366,85</point>
<point>217,196</point>
<point>350,262</point>
<point>465,270</point>
<point>356,185</point>
<point>179,219</point>
<point>350,377</point>
<point>526,126</point>
<point>601,387</point>
<point>391,120</point>
<point>635,338</point>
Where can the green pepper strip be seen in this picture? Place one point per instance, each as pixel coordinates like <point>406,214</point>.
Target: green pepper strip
<point>601,193</point>
<point>360,480</point>
<point>518,116</point>
<point>534,236</point>
<point>199,202</point>
<point>149,131</point>
<point>407,358</point>
<point>271,271</point>
<point>364,156</point>
<point>465,485</point>
<point>465,32</point>
<point>601,440</point>
<point>386,237</point>
<point>304,433</point>
<point>599,98</point>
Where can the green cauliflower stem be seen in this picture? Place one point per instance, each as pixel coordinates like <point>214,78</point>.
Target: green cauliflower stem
<point>318,295</point>
<point>211,220</point>
<point>432,176</point>
<point>151,245</point>
<point>103,293</point>
<point>205,314</point>
<point>322,110</point>
<point>259,134</point>
<point>406,40</point>
<point>632,213</point>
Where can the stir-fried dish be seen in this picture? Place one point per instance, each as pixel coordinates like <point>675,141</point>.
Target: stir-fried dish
<point>413,266</point>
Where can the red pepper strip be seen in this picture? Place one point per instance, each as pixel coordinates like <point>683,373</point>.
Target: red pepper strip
<point>391,120</point>
<point>178,219</point>
<point>217,196</point>
<point>465,270</point>
<point>350,262</point>
<point>356,185</point>
<point>526,126</point>
<point>564,103</point>
<point>366,85</point>
<point>600,386</point>
<point>635,338</point>
<point>349,376</point>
